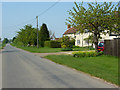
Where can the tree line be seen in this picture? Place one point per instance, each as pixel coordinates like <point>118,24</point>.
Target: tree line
<point>27,36</point>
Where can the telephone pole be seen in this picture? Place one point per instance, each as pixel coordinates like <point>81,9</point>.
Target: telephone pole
<point>37,32</point>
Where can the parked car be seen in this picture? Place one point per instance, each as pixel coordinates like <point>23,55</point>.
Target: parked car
<point>100,46</point>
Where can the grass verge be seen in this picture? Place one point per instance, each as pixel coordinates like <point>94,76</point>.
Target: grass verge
<point>104,67</point>
<point>39,50</point>
<point>47,50</point>
<point>2,45</point>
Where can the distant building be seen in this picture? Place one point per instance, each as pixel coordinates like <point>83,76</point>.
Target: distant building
<point>57,39</point>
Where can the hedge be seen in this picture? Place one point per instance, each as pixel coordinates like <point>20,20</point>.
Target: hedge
<point>52,44</point>
<point>66,49</point>
<point>86,54</point>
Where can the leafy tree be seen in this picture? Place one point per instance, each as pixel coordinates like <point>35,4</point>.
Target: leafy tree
<point>13,39</point>
<point>27,35</point>
<point>43,34</point>
<point>5,41</point>
<point>97,18</point>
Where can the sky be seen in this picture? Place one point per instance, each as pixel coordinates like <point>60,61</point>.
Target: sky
<point>15,15</point>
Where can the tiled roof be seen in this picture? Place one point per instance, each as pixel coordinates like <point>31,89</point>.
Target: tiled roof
<point>70,31</point>
<point>57,39</point>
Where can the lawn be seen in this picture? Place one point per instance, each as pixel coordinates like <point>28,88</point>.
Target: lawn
<point>105,67</point>
<point>48,50</point>
<point>41,49</point>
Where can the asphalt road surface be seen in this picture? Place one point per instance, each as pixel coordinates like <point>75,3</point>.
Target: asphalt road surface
<point>21,69</point>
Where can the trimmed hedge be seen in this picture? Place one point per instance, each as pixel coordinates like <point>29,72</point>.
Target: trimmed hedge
<point>66,49</point>
<point>86,54</point>
<point>52,44</point>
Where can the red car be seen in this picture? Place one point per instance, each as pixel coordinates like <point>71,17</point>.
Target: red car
<point>101,46</point>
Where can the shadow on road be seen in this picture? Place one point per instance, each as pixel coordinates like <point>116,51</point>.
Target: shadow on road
<point>10,51</point>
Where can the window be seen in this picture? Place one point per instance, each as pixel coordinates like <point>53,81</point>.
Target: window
<point>86,41</point>
<point>78,41</point>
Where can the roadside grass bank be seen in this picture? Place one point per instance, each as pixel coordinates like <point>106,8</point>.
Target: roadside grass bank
<point>104,67</point>
<point>47,50</point>
<point>2,45</point>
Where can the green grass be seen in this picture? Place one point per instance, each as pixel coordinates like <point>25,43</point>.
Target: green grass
<point>83,49</point>
<point>40,49</point>
<point>47,50</point>
<point>2,45</point>
<point>105,67</point>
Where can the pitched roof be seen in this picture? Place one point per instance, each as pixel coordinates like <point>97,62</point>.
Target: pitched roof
<point>57,39</point>
<point>70,31</point>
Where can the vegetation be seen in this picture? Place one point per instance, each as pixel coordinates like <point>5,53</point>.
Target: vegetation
<point>2,45</point>
<point>66,49</point>
<point>96,18</point>
<point>27,36</point>
<point>38,50</point>
<point>52,44</point>
<point>43,34</point>
<point>5,41</point>
<point>47,49</point>
<point>87,54</point>
<point>105,67</point>
<point>67,42</point>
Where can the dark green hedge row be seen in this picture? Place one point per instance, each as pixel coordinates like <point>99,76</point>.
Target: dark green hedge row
<point>86,54</point>
<point>66,49</point>
<point>52,44</point>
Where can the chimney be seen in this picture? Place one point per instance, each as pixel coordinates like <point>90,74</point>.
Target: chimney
<point>68,26</point>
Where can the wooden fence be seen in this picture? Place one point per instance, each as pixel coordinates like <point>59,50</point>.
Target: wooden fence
<point>112,47</point>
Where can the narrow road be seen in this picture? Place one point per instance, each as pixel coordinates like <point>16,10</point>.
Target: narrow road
<point>21,69</point>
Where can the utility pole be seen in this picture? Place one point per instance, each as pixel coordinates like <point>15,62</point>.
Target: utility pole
<point>37,32</point>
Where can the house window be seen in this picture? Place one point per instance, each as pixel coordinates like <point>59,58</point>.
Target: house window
<point>86,41</point>
<point>78,41</point>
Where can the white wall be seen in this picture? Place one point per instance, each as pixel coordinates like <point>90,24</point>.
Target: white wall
<point>81,37</point>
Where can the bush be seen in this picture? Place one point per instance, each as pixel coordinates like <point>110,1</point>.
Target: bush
<point>52,44</point>
<point>63,46</point>
<point>85,54</point>
<point>69,42</point>
<point>100,53</point>
<point>76,46</point>
<point>66,49</point>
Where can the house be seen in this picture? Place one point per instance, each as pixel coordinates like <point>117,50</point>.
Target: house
<point>79,37</point>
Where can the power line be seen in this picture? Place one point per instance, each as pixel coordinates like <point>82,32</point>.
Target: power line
<point>48,8</point>
<point>37,15</point>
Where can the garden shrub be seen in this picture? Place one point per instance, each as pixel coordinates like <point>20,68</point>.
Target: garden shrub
<point>76,46</point>
<point>69,42</point>
<point>52,44</point>
<point>86,54</point>
<point>100,53</point>
<point>63,46</point>
<point>66,49</point>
